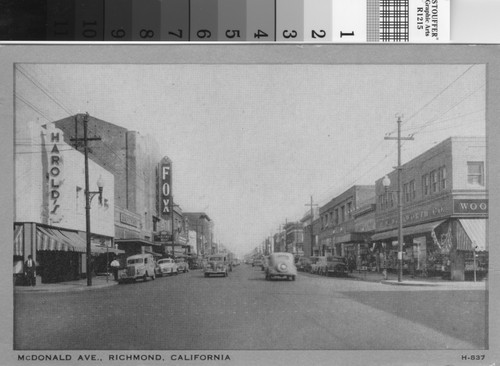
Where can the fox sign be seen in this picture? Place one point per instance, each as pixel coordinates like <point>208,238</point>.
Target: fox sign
<point>166,191</point>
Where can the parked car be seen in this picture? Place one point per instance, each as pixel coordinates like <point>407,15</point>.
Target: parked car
<point>257,262</point>
<point>318,265</point>
<point>281,265</point>
<point>216,264</point>
<point>167,266</point>
<point>182,265</point>
<point>336,265</point>
<point>138,266</point>
<point>303,263</point>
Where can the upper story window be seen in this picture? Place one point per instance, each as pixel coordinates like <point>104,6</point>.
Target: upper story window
<point>349,209</point>
<point>336,216</point>
<point>342,213</point>
<point>406,191</point>
<point>475,172</point>
<point>426,186</point>
<point>413,190</point>
<point>442,178</point>
<point>434,181</point>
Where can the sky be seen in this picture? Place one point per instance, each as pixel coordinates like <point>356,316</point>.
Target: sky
<point>250,144</point>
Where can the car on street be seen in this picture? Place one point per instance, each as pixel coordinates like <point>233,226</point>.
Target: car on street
<point>217,264</point>
<point>318,265</point>
<point>182,265</point>
<point>257,262</point>
<point>166,266</point>
<point>336,266</point>
<point>303,263</point>
<point>139,266</point>
<point>281,265</point>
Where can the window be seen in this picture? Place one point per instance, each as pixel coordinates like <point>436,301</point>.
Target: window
<point>349,209</point>
<point>475,172</point>
<point>442,177</point>
<point>425,185</point>
<point>413,191</point>
<point>342,211</point>
<point>336,216</point>
<point>434,181</point>
<point>406,190</point>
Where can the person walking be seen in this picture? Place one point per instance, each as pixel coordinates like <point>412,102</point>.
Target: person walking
<point>115,264</point>
<point>30,271</point>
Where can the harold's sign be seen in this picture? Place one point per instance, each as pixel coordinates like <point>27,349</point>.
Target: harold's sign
<point>54,177</point>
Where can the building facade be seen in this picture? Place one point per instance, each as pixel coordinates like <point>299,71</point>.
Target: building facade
<point>294,238</point>
<point>445,211</point>
<point>50,200</point>
<point>202,225</point>
<point>339,233</point>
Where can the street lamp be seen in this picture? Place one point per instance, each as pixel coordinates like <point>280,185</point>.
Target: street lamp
<point>386,182</point>
<point>88,197</point>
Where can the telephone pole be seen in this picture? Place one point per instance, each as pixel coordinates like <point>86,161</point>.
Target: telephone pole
<point>311,205</point>
<point>400,199</point>
<point>88,195</point>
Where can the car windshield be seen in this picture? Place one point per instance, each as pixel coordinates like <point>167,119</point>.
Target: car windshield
<point>136,260</point>
<point>163,261</point>
<point>281,256</point>
<point>216,259</point>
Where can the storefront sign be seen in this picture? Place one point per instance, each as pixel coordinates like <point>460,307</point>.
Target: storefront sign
<point>165,189</point>
<point>55,170</point>
<point>416,216</point>
<point>470,206</point>
<point>129,220</point>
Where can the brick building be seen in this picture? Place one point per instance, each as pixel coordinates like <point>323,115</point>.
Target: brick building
<point>445,211</point>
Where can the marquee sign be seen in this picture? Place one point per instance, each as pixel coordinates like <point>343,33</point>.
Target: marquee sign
<point>54,173</point>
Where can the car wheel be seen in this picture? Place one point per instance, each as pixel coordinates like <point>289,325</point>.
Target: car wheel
<point>154,277</point>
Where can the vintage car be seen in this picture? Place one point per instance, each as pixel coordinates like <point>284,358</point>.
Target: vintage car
<point>257,262</point>
<point>336,265</point>
<point>217,264</point>
<point>138,266</point>
<point>281,265</point>
<point>167,266</point>
<point>303,263</point>
<point>318,265</point>
<point>182,265</point>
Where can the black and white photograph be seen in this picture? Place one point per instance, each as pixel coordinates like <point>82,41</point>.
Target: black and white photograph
<point>192,206</point>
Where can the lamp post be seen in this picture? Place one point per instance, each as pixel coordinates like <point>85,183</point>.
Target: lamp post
<point>386,182</point>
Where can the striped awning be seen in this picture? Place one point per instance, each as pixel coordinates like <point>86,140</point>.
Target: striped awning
<point>55,240</point>
<point>475,230</point>
<point>18,240</point>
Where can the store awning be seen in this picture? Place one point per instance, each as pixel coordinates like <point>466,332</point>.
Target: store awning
<point>409,230</point>
<point>476,230</point>
<point>18,240</point>
<point>55,240</point>
<point>352,238</point>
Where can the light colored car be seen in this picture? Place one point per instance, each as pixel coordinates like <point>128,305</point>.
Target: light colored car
<point>182,265</point>
<point>217,264</point>
<point>166,266</point>
<point>281,265</point>
<point>138,266</point>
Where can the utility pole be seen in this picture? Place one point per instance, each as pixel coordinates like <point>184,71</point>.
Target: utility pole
<point>88,195</point>
<point>311,205</point>
<point>400,198</point>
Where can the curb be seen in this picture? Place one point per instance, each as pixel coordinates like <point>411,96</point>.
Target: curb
<point>407,283</point>
<point>64,289</point>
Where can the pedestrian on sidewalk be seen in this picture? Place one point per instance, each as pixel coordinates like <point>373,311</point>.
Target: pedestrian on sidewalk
<point>30,271</point>
<point>115,264</point>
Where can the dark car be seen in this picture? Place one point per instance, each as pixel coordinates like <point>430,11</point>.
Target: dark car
<point>336,265</point>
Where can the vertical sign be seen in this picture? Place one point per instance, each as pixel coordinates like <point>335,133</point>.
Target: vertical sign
<point>54,174</point>
<point>165,188</point>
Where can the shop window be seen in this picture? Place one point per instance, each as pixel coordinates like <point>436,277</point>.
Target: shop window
<point>475,172</point>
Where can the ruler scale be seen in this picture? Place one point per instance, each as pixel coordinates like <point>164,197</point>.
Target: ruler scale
<point>318,21</point>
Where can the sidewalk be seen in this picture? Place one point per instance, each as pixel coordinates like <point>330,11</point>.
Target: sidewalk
<point>98,282</point>
<point>392,279</point>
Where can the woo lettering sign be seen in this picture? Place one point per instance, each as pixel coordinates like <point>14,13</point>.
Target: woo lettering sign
<point>165,189</point>
<point>470,206</point>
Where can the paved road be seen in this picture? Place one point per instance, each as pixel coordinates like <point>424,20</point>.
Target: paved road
<point>245,312</point>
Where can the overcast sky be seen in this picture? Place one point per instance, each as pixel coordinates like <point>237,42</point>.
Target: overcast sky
<point>251,143</point>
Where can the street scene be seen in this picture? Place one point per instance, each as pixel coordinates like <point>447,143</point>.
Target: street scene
<point>250,207</point>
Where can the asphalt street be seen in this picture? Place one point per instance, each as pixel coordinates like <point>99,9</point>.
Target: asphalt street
<point>245,312</point>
